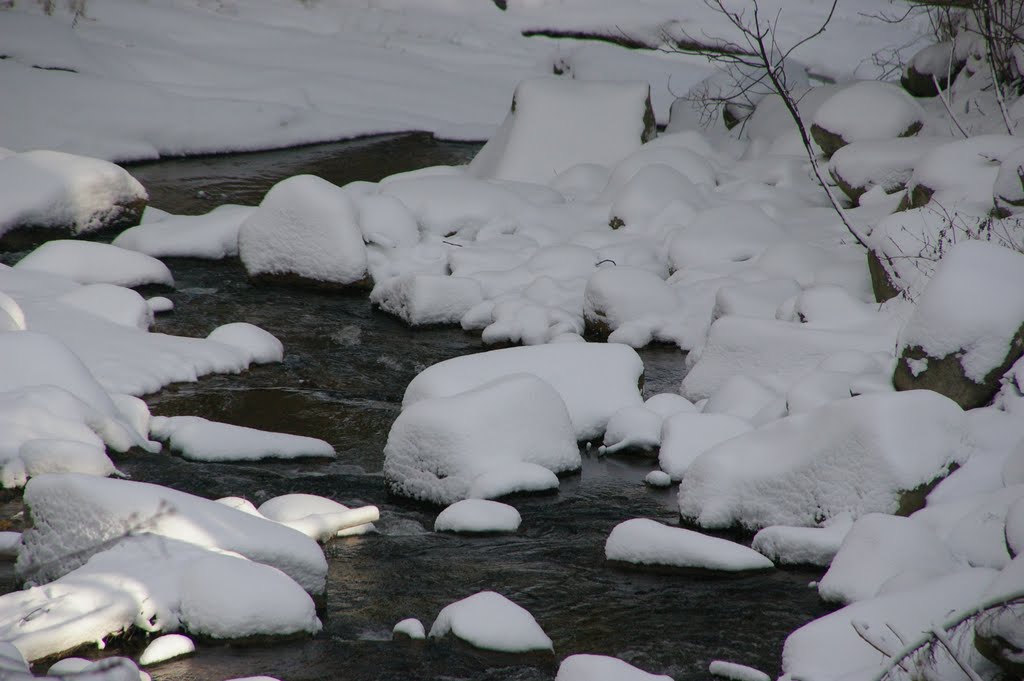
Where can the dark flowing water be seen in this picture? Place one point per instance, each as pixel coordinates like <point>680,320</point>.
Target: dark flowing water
<point>345,371</point>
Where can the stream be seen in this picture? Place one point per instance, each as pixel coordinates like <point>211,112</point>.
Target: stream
<point>342,380</point>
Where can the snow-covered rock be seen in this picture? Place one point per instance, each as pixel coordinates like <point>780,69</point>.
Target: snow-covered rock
<point>888,164</point>
<point>584,667</point>
<point>439,446</point>
<point>686,436</point>
<point>95,263</point>
<point>636,429</point>
<point>853,456</point>
<point>117,304</point>
<point>963,170</point>
<point>732,232</point>
<point>411,628</point>
<point>594,380</point>
<point>166,647</point>
<point>803,545</point>
<point>212,236</point>
<point>422,299</point>
<point>74,516</point>
<point>198,439</point>
<point>319,517</point>
<point>490,621</point>
<point>646,542</point>
<point>555,124</point>
<point>67,193</point>
<point>867,110</point>
<point>931,69</point>
<point>305,228</point>
<point>478,515</point>
<point>260,346</point>
<point>617,295</point>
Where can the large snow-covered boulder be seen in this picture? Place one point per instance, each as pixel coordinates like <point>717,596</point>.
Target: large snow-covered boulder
<point>853,456</point>
<point>867,110</point>
<point>594,380</point>
<point>304,230</point>
<point>490,621</point>
<point>74,516</point>
<point>487,441</point>
<point>94,263</point>
<point>967,329</point>
<point>66,194</point>
<point>555,124</point>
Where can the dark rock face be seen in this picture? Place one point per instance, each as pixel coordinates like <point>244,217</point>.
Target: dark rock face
<point>945,375</point>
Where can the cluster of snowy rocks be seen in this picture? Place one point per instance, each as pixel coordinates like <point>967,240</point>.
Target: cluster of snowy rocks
<point>808,413</point>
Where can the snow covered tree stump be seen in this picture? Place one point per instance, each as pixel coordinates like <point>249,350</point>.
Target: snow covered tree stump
<point>968,327</point>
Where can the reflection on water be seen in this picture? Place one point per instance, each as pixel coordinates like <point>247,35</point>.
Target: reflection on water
<point>342,380</point>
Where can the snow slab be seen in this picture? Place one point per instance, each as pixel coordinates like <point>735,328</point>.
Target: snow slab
<point>55,190</point>
<point>212,236</point>
<point>803,545</point>
<point>853,456</point>
<point>198,439</point>
<point>258,345</point>
<point>478,515</point>
<point>155,584</point>
<point>593,379</point>
<point>423,299</point>
<point>646,542</point>
<point>319,517</point>
<point>973,306</point>
<point>490,621</point>
<point>94,263</point>
<point>75,515</point>
<point>166,647</point>
<point>412,628</point>
<point>879,548</point>
<point>555,124</point>
<point>781,352</point>
<point>686,436</point>
<point>305,226</point>
<point>869,110</point>
<point>829,648</point>
<point>439,446</point>
<point>585,667</point>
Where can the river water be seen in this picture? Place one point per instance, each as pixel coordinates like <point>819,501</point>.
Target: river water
<point>342,380</point>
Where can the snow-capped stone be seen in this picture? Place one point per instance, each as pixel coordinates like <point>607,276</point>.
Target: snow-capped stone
<point>615,295</point>
<point>686,436</point>
<point>422,299</point>
<point>645,542</point>
<point>633,428</point>
<point>166,647</point>
<point>198,439</point>
<point>584,667</point>
<point>94,263</point>
<point>490,621</point>
<point>867,110</point>
<point>212,236</point>
<point>114,303</point>
<point>803,545</point>
<point>478,515</point>
<point>411,628</point>
<point>319,517</point>
<point>260,346</point>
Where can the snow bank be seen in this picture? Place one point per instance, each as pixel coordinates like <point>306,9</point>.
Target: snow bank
<point>304,227</point>
<point>75,515</point>
<point>95,263</point>
<point>54,190</point>
<point>973,307</point>
<point>156,584</point>
<point>439,446</point>
<point>594,379</point>
<point>212,236</point>
<point>490,621</point>
<point>646,542</point>
<point>198,439</point>
<point>854,456</point>
<point>602,668</point>
<point>879,548</point>
<point>780,352</point>
<point>478,515</point>
<point>422,299</point>
<point>556,123</point>
<point>259,346</point>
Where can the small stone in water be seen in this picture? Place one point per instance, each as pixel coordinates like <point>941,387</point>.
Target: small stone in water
<point>658,479</point>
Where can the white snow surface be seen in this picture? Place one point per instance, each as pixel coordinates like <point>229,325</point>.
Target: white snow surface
<point>260,346</point>
<point>586,667</point>
<point>478,515</point>
<point>199,439</point>
<point>555,124</point>
<point>973,306</point>
<point>75,515</point>
<point>594,380</point>
<point>439,446</point>
<point>647,542</point>
<point>490,621</point>
<point>851,456</point>
<point>212,236</point>
<point>166,647</point>
<point>56,190</point>
<point>94,263</point>
<point>305,226</point>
